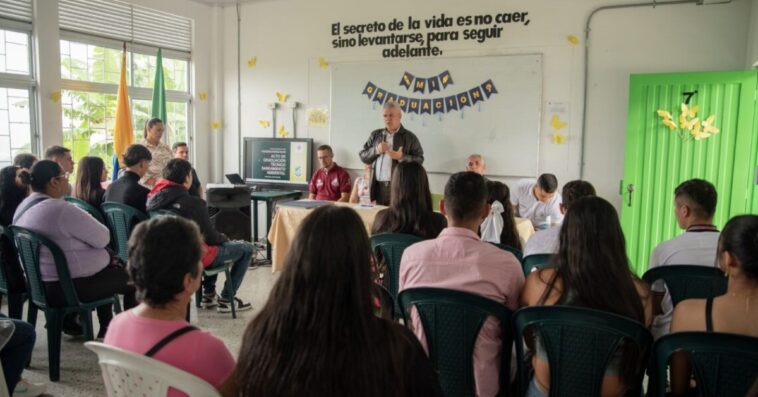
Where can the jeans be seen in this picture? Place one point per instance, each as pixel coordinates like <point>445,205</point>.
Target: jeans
<point>535,390</point>
<point>17,352</point>
<point>241,252</point>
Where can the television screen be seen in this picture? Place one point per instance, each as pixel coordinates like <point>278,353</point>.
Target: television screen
<point>278,160</point>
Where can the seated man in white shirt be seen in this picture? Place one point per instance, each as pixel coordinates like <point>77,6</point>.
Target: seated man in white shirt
<point>538,201</point>
<point>546,241</point>
<point>694,206</point>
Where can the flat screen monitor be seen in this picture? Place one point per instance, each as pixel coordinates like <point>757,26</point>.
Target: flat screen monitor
<point>286,161</point>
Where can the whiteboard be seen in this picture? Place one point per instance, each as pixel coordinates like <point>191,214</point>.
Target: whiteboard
<point>503,127</point>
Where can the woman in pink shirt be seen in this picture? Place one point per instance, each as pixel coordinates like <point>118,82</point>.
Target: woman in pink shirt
<point>164,265</point>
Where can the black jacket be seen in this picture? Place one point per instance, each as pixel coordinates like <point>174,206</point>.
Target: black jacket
<point>412,150</point>
<point>177,200</point>
<point>127,190</point>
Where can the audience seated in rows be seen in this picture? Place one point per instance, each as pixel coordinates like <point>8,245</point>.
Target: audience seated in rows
<point>13,191</point>
<point>694,207</point>
<point>538,201</point>
<point>127,189</point>
<point>62,156</point>
<point>164,266</point>
<point>459,260</point>
<point>317,335</point>
<point>410,209</point>
<point>81,238</point>
<point>330,182</point>
<point>546,241</point>
<point>734,312</point>
<point>25,160</point>
<point>90,175</point>
<point>171,193</point>
<point>500,225</point>
<point>590,270</point>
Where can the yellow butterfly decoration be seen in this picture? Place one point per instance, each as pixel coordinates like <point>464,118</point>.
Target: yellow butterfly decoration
<point>698,133</point>
<point>559,139</point>
<point>281,97</point>
<point>252,62</point>
<point>55,96</point>
<point>264,123</point>
<point>667,119</point>
<point>686,116</point>
<point>572,39</point>
<point>283,132</point>
<point>216,124</point>
<point>322,63</point>
<point>557,123</point>
<point>708,125</point>
<point>202,96</point>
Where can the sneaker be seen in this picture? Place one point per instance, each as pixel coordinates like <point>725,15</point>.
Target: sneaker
<point>209,301</point>
<point>24,388</point>
<point>224,305</point>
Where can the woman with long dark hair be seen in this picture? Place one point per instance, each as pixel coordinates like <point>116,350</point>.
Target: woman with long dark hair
<point>410,209</point>
<point>500,193</point>
<point>13,191</point>
<point>90,174</point>
<point>317,334</point>
<point>161,153</point>
<point>590,270</point>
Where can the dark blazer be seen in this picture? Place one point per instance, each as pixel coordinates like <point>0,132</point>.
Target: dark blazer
<point>412,150</point>
<point>127,190</point>
<point>178,200</point>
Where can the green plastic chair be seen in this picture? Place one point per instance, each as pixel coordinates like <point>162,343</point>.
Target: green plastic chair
<point>386,301</point>
<point>121,219</point>
<point>452,321</point>
<point>688,281</point>
<point>28,244</point>
<point>15,300</point>
<point>390,247</point>
<point>87,207</point>
<point>579,343</point>
<point>536,261</point>
<point>513,250</point>
<point>159,213</point>
<point>724,365</point>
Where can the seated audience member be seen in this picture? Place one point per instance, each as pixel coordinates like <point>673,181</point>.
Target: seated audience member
<point>694,206</point>
<point>62,156</point>
<point>127,189</point>
<point>331,182</point>
<point>25,160</point>
<point>538,201</point>
<point>546,241</point>
<point>171,193</point>
<point>13,191</point>
<point>410,209</point>
<point>735,312</point>
<point>15,355</point>
<point>317,335</point>
<point>81,238</point>
<point>164,266</point>
<point>181,151</point>
<point>475,163</point>
<point>500,225</point>
<point>90,176</point>
<point>361,192</point>
<point>591,248</point>
<point>459,260</point>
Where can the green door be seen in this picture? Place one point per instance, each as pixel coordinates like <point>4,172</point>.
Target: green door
<point>657,159</point>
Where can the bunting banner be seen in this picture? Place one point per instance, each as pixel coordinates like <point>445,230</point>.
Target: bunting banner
<point>380,96</point>
<point>475,95</point>
<point>426,84</point>
<point>407,80</point>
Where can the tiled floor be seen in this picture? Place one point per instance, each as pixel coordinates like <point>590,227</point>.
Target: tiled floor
<point>80,374</point>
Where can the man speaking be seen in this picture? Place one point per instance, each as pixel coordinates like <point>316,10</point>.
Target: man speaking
<point>386,147</point>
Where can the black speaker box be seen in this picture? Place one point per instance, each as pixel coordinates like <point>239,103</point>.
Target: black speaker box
<point>229,209</point>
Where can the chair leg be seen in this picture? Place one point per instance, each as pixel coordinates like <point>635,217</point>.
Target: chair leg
<point>228,275</point>
<point>16,306</point>
<point>85,316</point>
<point>54,328</point>
<point>31,313</point>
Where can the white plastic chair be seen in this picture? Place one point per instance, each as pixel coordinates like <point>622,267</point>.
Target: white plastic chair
<point>6,331</point>
<point>130,374</point>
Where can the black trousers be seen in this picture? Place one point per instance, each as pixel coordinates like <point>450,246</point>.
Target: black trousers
<point>382,193</point>
<point>107,282</point>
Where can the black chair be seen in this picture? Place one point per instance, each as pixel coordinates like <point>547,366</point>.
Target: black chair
<point>87,207</point>
<point>535,261</point>
<point>688,281</point>
<point>452,321</point>
<point>15,299</point>
<point>121,219</point>
<point>387,303</point>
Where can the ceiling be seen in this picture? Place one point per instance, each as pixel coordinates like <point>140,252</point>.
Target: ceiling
<point>224,3</point>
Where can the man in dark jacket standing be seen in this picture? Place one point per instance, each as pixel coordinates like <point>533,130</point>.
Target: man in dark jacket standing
<point>171,193</point>
<point>386,147</point>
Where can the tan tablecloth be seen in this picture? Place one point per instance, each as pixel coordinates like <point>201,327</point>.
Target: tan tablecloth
<point>525,229</point>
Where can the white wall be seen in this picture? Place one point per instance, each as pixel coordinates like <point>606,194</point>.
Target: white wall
<point>288,36</point>
<point>752,44</point>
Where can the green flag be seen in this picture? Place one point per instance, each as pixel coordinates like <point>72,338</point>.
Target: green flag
<point>159,91</point>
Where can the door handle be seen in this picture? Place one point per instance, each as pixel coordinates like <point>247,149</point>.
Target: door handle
<point>630,190</point>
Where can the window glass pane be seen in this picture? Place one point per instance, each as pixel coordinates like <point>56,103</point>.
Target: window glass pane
<point>88,124</point>
<point>174,72</point>
<point>177,122</point>
<point>85,62</point>
<point>14,52</point>
<point>15,124</point>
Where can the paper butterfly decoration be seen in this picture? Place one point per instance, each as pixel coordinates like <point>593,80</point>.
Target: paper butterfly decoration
<point>557,123</point>
<point>668,121</point>
<point>322,63</point>
<point>55,96</point>
<point>251,62</point>
<point>202,96</point>
<point>283,132</point>
<point>281,97</point>
<point>572,39</point>
<point>216,125</point>
<point>691,126</point>
<point>264,123</point>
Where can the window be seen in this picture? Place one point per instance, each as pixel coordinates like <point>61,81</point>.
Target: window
<point>90,72</point>
<point>14,52</point>
<point>16,94</point>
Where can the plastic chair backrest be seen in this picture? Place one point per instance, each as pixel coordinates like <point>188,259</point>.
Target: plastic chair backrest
<point>391,246</point>
<point>86,207</point>
<point>513,250</point>
<point>580,343</point>
<point>121,219</point>
<point>723,364</point>
<point>28,245</point>
<point>386,301</point>
<point>688,281</point>
<point>452,321</point>
<point>535,261</point>
<point>159,213</point>
<point>5,233</point>
<point>130,374</point>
